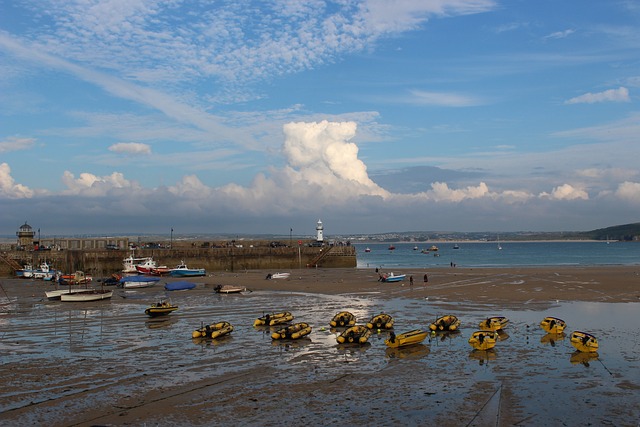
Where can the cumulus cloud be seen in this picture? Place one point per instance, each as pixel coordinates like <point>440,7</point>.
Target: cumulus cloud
<point>566,192</point>
<point>629,191</point>
<point>16,144</point>
<point>95,186</point>
<point>612,95</point>
<point>130,148</point>
<point>440,192</point>
<point>9,189</point>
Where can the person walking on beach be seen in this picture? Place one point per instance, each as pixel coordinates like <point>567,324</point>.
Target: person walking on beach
<point>426,278</point>
<point>410,280</point>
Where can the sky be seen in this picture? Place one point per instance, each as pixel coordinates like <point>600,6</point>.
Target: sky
<point>373,116</point>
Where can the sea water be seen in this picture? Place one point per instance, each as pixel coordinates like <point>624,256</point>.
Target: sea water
<point>488,254</point>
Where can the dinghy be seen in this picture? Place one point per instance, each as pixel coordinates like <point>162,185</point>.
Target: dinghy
<point>214,330</point>
<point>273,319</point>
<point>494,323</point>
<point>407,338</point>
<point>344,318</point>
<point>584,342</point>
<point>161,308</point>
<point>358,334</point>
<point>447,322</point>
<point>553,325</point>
<point>380,321</point>
<point>293,332</point>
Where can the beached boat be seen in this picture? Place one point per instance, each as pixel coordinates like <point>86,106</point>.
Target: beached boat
<point>344,318</point>
<point>448,322</point>
<point>161,270</point>
<point>380,321</point>
<point>215,330</point>
<point>278,276</point>
<point>229,289</point>
<point>146,266</point>
<point>44,272</point>
<point>584,342</point>
<point>129,263</point>
<point>26,272</point>
<point>77,278</point>
<point>553,325</point>
<point>293,332</point>
<point>179,286</point>
<point>94,295</point>
<point>415,336</point>
<point>483,340</point>
<point>392,277</point>
<point>357,334</point>
<point>273,319</point>
<point>57,293</point>
<point>161,308</point>
<point>129,282</point>
<point>182,270</point>
<point>493,323</point>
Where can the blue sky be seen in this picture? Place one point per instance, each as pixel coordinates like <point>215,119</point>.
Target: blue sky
<point>139,116</point>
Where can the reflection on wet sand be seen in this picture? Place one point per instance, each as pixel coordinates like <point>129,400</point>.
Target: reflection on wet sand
<point>415,351</point>
<point>160,322</point>
<point>551,339</point>
<point>483,356</point>
<point>580,357</point>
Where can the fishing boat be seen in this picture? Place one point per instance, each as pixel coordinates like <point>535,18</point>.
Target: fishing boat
<point>448,322</point>
<point>584,342</point>
<point>161,308</point>
<point>415,336</point>
<point>392,248</point>
<point>357,334</point>
<point>182,270</point>
<point>553,325</point>
<point>130,282</point>
<point>44,272</point>
<point>483,340</point>
<point>293,332</point>
<point>161,270</point>
<point>26,272</point>
<point>77,278</point>
<point>380,321</point>
<point>94,295</point>
<point>129,263</point>
<point>273,319</point>
<point>392,277</point>
<point>367,250</point>
<point>344,318</point>
<point>493,323</point>
<point>215,330</point>
<point>179,286</point>
<point>229,289</point>
<point>146,266</point>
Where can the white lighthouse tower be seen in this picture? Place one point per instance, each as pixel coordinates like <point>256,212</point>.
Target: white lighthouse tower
<point>319,229</point>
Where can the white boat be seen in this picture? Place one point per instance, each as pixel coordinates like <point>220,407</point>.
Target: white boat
<point>129,282</point>
<point>129,263</point>
<point>146,266</point>
<point>229,289</point>
<point>44,272</point>
<point>278,275</point>
<point>183,271</point>
<point>25,272</point>
<point>57,293</point>
<point>96,295</point>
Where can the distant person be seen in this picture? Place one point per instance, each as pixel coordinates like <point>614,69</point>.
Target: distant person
<point>410,280</point>
<point>426,278</point>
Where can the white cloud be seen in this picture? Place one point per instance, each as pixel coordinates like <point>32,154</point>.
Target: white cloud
<point>440,192</point>
<point>130,148</point>
<point>566,192</point>
<point>9,189</point>
<point>16,144</point>
<point>443,99</point>
<point>560,34</point>
<point>612,95</point>
<point>91,185</point>
<point>629,191</point>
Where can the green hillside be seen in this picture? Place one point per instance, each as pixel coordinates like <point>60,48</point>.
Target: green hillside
<point>626,232</point>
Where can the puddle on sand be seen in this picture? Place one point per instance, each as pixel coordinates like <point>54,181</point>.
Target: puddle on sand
<point>114,342</point>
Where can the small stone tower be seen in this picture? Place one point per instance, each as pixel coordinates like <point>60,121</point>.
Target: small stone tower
<point>319,228</point>
<point>25,236</point>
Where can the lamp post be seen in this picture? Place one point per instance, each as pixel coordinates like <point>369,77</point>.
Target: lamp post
<point>290,235</point>
<point>233,243</point>
<point>171,239</point>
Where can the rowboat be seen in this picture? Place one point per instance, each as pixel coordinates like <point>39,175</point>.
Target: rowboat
<point>448,322</point>
<point>229,289</point>
<point>273,319</point>
<point>161,308</point>
<point>415,336</point>
<point>57,293</point>
<point>129,282</point>
<point>182,270</point>
<point>293,332</point>
<point>357,334</point>
<point>553,325</point>
<point>344,318</point>
<point>380,321</point>
<point>179,286</point>
<point>483,340</point>
<point>278,276</point>
<point>215,330</point>
<point>95,295</point>
<point>493,323</point>
<point>584,342</point>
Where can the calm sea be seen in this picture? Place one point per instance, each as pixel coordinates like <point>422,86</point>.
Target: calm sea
<point>512,254</point>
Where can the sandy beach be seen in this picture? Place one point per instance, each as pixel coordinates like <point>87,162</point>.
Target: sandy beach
<point>106,364</point>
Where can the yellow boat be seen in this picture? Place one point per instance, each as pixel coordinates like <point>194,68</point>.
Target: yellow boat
<point>483,340</point>
<point>344,318</point>
<point>407,338</point>
<point>160,309</point>
<point>293,332</point>
<point>494,323</point>
<point>447,322</point>
<point>357,334</point>
<point>273,319</point>
<point>584,342</point>
<point>553,325</point>
<point>215,330</point>
<point>380,321</point>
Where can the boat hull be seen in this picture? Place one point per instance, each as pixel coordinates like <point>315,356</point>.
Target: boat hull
<point>160,309</point>
<point>415,336</point>
<point>380,321</point>
<point>483,340</point>
<point>273,319</point>
<point>553,325</point>
<point>179,286</point>
<point>344,318</point>
<point>448,322</point>
<point>292,332</point>
<point>86,296</point>
<point>215,330</point>
<point>56,294</point>
<point>358,334</point>
<point>494,323</point>
<point>584,342</point>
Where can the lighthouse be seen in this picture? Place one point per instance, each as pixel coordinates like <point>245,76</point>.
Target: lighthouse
<point>319,229</point>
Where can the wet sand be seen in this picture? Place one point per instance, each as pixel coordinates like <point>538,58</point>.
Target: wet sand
<point>107,364</point>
